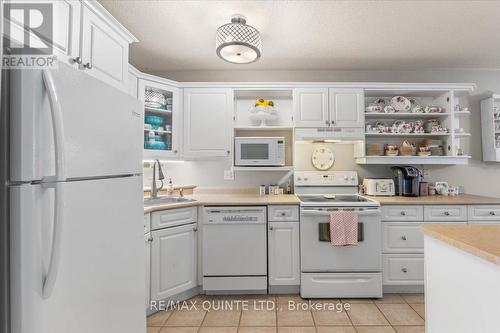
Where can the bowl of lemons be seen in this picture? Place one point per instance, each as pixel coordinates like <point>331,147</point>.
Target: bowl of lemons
<point>263,111</point>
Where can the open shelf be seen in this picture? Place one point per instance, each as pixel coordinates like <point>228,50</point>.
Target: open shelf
<point>462,135</point>
<point>157,111</point>
<point>446,160</point>
<point>397,115</point>
<point>271,168</point>
<point>263,128</point>
<point>415,135</point>
<point>158,131</point>
<point>462,113</point>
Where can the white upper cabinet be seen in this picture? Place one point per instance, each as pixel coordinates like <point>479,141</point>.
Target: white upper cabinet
<point>133,81</point>
<point>104,50</point>
<point>162,119</point>
<point>335,107</point>
<point>65,36</point>
<point>310,107</point>
<point>347,107</point>
<point>207,122</point>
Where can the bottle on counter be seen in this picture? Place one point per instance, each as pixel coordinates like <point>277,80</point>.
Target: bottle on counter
<point>170,187</point>
<point>289,187</point>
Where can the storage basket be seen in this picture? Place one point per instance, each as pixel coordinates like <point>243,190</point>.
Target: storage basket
<point>154,98</point>
<point>374,149</point>
<point>407,151</point>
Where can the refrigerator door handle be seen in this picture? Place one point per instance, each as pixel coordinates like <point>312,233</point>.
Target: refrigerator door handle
<point>57,125</point>
<point>49,279</point>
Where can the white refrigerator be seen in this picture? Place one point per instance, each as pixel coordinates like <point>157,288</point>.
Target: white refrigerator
<point>75,204</point>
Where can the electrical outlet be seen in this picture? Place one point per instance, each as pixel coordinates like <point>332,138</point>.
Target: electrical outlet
<point>228,175</point>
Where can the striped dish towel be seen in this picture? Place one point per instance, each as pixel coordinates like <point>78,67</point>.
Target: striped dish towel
<point>344,228</point>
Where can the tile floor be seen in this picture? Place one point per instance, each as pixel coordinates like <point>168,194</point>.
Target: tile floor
<point>394,313</point>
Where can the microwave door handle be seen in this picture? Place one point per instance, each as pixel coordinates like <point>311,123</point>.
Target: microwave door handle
<point>311,212</point>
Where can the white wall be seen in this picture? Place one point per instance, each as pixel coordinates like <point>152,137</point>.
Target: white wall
<point>477,177</point>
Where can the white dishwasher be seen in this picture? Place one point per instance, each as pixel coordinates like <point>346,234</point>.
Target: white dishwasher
<point>234,244</point>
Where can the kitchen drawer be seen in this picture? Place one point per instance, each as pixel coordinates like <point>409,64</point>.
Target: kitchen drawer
<point>484,213</point>
<point>173,217</point>
<point>403,269</point>
<point>352,285</point>
<point>445,213</point>
<point>402,213</point>
<point>286,213</point>
<point>402,238</point>
<point>147,223</point>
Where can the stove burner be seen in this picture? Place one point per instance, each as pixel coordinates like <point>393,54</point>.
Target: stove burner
<point>332,198</point>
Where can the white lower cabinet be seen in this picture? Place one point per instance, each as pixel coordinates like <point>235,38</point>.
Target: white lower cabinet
<point>284,254</point>
<point>173,261</point>
<point>147,248</point>
<point>403,269</point>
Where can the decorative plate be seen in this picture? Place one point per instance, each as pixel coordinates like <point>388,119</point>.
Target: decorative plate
<point>401,103</point>
<point>322,158</point>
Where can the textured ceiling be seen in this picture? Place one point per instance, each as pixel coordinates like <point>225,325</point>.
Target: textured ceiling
<point>312,35</point>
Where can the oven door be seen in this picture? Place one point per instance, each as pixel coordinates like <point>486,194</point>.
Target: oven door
<point>255,152</point>
<point>318,254</point>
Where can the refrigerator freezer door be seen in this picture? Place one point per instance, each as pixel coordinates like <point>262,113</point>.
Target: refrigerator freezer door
<point>99,285</point>
<point>100,132</point>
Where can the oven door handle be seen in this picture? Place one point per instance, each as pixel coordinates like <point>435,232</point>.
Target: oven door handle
<point>313,212</point>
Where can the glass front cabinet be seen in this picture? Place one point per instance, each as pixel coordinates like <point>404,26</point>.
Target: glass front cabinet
<point>162,120</point>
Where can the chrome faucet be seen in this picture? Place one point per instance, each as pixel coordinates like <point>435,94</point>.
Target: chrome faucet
<point>154,189</point>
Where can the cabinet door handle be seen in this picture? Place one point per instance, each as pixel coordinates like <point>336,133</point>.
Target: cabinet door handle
<point>195,229</point>
<point>228,152</point>
<point>403,237</point>
<point>447,213</point>
<point>77,60</point>
<point>175,151</point>
<point>327,122</point>
<point>333,122</point>
<point>150,239</point>
<point>88,65</point>
<point>404,270</point>
<point>271,227</point>
<point>403,213</point>
<point>492,213</point>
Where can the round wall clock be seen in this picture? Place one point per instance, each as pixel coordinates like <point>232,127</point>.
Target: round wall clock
<point>322,158</point>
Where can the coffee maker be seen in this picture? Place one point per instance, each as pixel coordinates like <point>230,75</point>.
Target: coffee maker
<point>407,180</point>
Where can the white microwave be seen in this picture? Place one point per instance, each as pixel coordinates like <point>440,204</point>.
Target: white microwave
<point>259,151</point>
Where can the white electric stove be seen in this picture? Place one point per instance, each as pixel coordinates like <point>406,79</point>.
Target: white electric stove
<point>328,271</point>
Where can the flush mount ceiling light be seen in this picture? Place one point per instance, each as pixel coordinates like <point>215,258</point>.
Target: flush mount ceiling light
<point>237,42</point>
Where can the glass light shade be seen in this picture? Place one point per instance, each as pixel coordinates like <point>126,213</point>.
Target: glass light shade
<point>237,42</point>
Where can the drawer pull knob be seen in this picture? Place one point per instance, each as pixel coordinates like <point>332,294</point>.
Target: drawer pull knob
<point>492,213</point>
<point>404,270</point>
<point>195,229</point>
<point>447,213</point>
<point>403,237</point>
<point>403,213</point>
<point>271,228</point>
<point>283,214</point>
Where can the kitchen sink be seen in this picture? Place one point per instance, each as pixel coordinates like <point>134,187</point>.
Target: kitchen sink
<point>165,200</point>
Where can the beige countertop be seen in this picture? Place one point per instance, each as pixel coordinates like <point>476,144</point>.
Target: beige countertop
<point>462,199</point>
<point>480,240</point>
<point>245,198</point>
<point>230,200</point>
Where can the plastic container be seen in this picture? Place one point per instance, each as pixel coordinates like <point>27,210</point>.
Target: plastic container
<point>153,120</point>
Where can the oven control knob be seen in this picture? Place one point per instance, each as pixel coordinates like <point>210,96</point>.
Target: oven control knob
<point>299,179</point>
<point>305,179</point>
<point>353,178</point>
<point>346,178</point>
